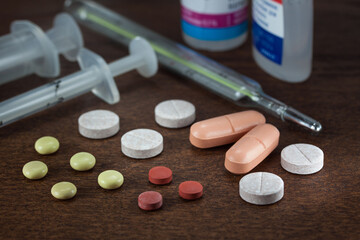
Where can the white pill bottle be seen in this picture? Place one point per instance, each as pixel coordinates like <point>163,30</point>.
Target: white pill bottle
<point>282,35</point>
<point>214,25</point>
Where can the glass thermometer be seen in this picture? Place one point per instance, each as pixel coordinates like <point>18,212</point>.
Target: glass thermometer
<point>221,80</point>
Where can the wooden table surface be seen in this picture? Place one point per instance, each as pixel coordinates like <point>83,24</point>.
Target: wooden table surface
<point>324,205</point>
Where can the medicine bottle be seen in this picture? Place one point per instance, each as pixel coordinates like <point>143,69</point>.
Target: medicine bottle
<point>282,35</point>
<point>214,25</point>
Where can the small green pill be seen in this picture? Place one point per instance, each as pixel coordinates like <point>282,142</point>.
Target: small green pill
<point>110,179</point>
<point>47,145</point>
<point>35,170</point>
<point>63,190</point>
<point>82,161</point>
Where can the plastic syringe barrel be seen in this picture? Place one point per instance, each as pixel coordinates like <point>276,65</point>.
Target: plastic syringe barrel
<point>12,51</point>
<point>210,74</point>
<point>48,95</point>
<point>58,36</point>
<point>15,57</point>
<point>123,30</point>
<point>27,49</point>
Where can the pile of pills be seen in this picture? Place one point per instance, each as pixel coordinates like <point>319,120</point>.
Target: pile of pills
<point>82,161</point>
<point>138,144</point>
<point>263,188</point>
<point>160,175</point>
<point>255,140</point>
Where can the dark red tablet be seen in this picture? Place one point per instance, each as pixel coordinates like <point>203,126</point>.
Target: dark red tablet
<point>190,190</point>
<point>150,200</point>
<point>160,175</point>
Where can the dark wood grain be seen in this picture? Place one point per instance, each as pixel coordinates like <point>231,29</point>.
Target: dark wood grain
<point>320,206</point>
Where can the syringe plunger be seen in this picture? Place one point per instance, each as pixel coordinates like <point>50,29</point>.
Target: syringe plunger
<point>95,76</point>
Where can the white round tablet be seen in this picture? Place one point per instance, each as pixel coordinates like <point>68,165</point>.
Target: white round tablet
<point>175,113</point>
<point>302,158</point>
<point>99,124</point>
<point>142,143</point>
<point>261,188</point>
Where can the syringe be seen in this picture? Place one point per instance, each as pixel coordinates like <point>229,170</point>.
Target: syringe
<point>27,49</point>
<point>223,81</point>
<point>95,75</point>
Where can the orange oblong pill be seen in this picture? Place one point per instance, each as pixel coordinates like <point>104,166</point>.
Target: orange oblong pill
<point>224,129</point>
<point>252,149</point>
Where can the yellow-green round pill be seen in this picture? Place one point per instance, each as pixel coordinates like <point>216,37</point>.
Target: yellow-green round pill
<point>63,190</point>
<point>110,179</point>
<point>82,161</point>
<point>35,170</point>
<point>47,145</point>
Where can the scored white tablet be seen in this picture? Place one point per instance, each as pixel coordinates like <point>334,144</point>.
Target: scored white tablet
<point>261,188</point>
<point>302,158</point>
<point>175,113</point>
<point>142,143</point>
<point>99,124</point>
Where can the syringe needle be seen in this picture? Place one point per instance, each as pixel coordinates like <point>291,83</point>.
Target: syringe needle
<point>95,76</point>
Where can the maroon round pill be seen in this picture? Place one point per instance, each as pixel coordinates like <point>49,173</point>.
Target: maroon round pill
<point>150,200</point>
<point>190,190</point>
<point>160,175</point>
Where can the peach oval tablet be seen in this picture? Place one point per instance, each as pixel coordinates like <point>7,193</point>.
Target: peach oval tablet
<point>252,149</point>
<point>224,129</point>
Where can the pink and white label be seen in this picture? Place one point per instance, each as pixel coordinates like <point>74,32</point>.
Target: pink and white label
<point>207,20</point>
